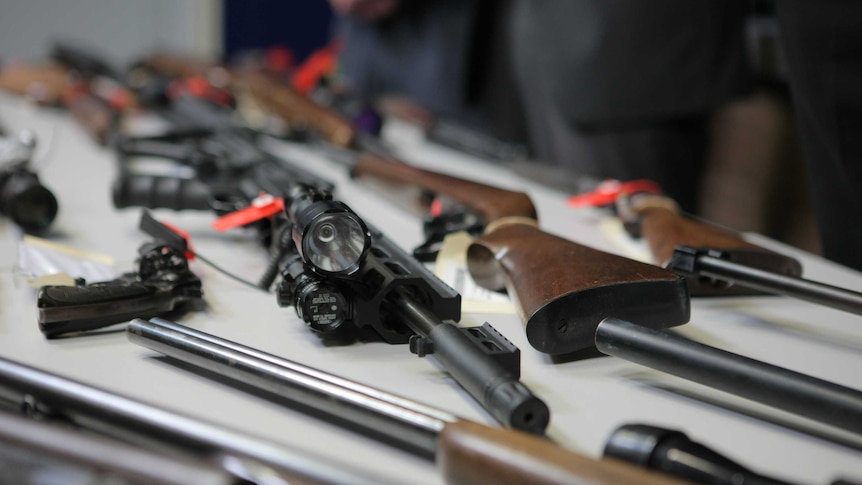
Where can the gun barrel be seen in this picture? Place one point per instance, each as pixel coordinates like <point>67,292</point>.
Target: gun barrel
<point>467,452</point>
<point>774,386</point>
<point>117,415</point>
<point>771,282</point>
<point>34,447</point>
<point>408,423</point>
<point>487,381</point>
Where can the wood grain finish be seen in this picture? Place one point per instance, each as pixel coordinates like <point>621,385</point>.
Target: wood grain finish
<point>665,229</point>
<point>563,289</point>
<point>491,203</point>
<point>470,453</point>
<point>296,109</point>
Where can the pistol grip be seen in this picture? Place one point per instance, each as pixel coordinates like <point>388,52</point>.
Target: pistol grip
<point>66,309</point>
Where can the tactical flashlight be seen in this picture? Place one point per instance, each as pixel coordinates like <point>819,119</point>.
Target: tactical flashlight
<point>330,237</point>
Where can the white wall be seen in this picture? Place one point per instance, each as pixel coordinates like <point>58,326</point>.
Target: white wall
<point>119,30</point>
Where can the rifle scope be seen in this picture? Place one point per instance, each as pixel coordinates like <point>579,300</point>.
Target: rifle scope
<point>23,198</point>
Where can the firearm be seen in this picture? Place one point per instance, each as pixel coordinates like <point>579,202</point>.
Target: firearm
<point>162,285</point>
<point>97,97</point>
<point>229,169</point>
<point>50,397</point>
<point>716,261</point>
<point>343,278</point>
<point>23,198</point>
<point>563,289</point>
<point>464,451</point>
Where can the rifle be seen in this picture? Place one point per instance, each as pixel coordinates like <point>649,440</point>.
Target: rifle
<point>716,261</point>
<point>464,451</point>
<point>46,396</point>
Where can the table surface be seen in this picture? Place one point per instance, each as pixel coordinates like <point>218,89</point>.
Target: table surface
<point>588,398</point>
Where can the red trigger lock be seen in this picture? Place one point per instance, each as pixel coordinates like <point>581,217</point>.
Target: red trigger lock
<point>262,207</point>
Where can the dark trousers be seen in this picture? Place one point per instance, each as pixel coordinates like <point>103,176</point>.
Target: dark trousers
<point>823,44</point>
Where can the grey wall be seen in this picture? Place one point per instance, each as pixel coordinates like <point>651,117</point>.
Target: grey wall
<point>118,29</point>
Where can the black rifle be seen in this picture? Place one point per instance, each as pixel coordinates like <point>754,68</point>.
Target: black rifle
<point>50,397</point>
<point>345,280</point>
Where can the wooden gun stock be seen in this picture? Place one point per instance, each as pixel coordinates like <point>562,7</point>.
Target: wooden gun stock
<point>563,289</point>
<point>470,453</point>
<point>491,203</point>
<point>664,228</point>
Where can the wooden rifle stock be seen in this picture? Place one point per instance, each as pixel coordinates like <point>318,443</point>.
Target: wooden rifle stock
<point>491,203</point>
<point>296,109</point>
<point>664,228</point>
<point>562,289</point>
<point>471,453</point>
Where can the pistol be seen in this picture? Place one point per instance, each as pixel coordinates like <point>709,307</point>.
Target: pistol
<point>162,284</point>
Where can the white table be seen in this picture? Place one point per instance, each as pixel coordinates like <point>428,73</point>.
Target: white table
<point>588,398</point>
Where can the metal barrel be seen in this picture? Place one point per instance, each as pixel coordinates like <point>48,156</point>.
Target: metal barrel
<point>371,410</point>
<point>768,384</point>
<point>770,282</point>
<point>116,415</point>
